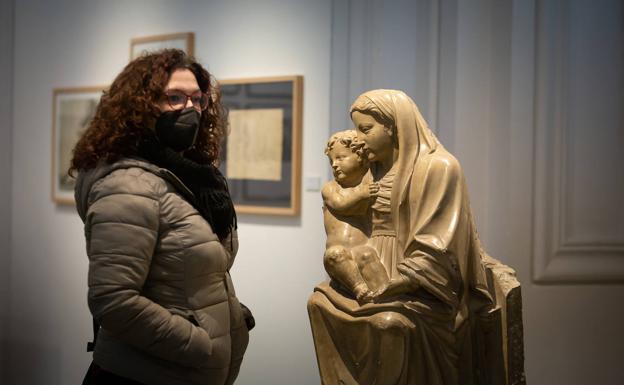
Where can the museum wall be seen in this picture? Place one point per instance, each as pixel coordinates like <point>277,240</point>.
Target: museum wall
<point>526,93</point>
<point>6,83</point>
<point>78,43</point>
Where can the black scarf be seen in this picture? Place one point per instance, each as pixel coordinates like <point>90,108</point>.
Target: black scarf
<point>209,187</point>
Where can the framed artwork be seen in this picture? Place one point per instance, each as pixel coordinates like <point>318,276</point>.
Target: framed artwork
<point>261,156</point>
<point>184,41</point>
<point>72,111</point>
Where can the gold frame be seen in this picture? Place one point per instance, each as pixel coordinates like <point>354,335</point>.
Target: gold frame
<point>189,37</point>
<point>297,114</point>
<point>56,92</point>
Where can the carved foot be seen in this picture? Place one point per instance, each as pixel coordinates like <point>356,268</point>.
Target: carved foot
<point>363,294</point>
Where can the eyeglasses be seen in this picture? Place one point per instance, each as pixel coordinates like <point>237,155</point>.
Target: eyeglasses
<point>178,99</point>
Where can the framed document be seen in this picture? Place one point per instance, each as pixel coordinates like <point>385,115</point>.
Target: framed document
<point>72,111</point>
<point>184,41</point>
<point>261,155</point>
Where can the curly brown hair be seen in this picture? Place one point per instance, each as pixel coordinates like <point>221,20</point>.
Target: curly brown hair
<point>128,111</point>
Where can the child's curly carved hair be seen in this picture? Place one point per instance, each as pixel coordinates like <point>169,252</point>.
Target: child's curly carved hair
<point>347,138</point>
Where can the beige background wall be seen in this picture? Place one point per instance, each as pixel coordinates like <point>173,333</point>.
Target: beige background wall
<point>528,94</point>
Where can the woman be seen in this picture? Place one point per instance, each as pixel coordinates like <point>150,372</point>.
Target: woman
<point>160,229</point>
<point>417,331</point>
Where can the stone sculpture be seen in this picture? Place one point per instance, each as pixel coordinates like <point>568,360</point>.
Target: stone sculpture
<point>412,299</point>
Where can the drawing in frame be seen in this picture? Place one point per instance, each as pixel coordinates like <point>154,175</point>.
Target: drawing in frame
<point>72,111</point>
<point>183,40</point>
<point>261,154</point>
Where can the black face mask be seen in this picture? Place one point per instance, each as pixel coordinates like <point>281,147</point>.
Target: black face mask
<point>178,129</point>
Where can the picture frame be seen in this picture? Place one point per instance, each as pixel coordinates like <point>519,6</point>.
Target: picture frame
<point>182,40</point>
<point>261,155</point>
<point>72,111</point>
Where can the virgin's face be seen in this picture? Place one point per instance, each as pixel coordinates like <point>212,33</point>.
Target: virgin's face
<point>376,137</point>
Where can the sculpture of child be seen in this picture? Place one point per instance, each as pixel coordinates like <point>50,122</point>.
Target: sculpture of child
<point>348,259</point>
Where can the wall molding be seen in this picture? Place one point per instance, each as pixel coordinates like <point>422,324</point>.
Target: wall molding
<point>557,256</point>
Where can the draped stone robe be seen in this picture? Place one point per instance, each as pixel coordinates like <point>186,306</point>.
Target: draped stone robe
<point>424,337</point>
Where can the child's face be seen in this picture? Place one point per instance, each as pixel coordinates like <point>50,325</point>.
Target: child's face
<point>345,164</point>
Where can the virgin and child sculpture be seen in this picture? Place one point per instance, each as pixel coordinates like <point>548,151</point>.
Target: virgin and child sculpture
<point>412,299</point>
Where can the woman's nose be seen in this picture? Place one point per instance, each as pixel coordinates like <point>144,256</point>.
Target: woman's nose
<point>189,103</point>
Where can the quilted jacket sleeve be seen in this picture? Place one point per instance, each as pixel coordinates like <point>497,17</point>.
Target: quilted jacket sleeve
<point>121,228</point>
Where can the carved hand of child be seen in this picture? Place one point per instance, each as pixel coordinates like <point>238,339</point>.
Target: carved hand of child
<point>373,189</point>
<point>393,288</point>
<point>363,191</point>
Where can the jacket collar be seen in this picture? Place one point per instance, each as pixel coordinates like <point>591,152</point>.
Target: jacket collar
<point>86,179</point>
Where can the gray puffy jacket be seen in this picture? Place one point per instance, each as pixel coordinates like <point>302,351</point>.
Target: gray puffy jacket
<point>158,279</point>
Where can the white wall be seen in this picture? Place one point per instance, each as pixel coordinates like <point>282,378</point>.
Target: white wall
<point>480,74</point>
<point>6,113</point>
<point>78,43</point>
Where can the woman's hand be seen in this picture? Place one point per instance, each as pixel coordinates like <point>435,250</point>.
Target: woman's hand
<point>393,288</point>
<point>250,321</point>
